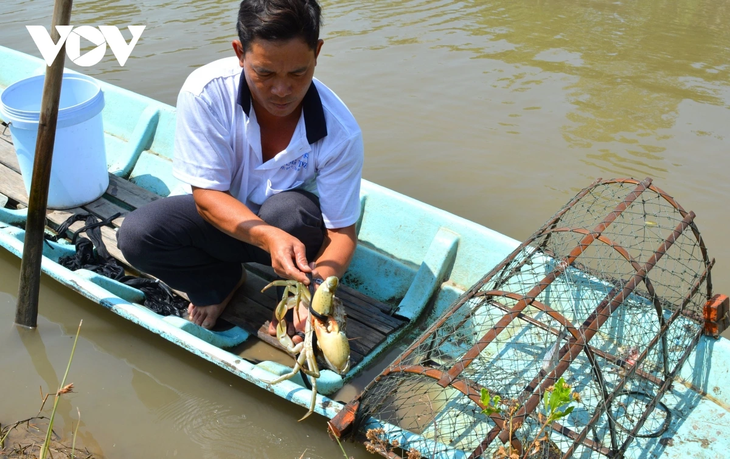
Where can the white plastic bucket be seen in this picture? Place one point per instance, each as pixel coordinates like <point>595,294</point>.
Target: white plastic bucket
<point>79,171</point>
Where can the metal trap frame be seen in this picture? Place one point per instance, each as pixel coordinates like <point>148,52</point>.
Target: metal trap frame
<point>612,294</point>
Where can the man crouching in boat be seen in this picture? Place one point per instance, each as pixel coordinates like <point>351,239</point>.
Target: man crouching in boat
<point>274,160</point>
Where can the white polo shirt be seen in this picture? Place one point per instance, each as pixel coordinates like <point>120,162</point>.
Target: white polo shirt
<point>218,145</point>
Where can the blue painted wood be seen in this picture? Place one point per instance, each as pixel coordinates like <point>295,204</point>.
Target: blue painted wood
<point>140,139</point>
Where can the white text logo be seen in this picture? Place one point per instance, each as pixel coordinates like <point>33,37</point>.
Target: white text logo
<point>100,37</point>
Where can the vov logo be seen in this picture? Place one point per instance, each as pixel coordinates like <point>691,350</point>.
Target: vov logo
<point>101,36</point>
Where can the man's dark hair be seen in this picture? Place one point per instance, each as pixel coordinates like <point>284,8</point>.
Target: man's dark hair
<point>278,20</point>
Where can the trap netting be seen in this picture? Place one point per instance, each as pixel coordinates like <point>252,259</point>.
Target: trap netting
<point>609,294</point>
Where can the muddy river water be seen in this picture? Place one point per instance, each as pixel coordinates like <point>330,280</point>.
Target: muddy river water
<point>498,111</point>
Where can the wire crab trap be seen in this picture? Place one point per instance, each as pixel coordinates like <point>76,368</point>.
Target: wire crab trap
<point>612,294</point>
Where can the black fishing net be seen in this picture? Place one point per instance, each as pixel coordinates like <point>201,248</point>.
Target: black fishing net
<point>607,298</point>
<point>91,254</point>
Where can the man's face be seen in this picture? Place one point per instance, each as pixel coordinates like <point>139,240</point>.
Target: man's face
<point>278,73</point>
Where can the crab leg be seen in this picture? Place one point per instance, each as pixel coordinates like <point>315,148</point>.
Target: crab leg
<point>313,380</point>
<point>326,319</point>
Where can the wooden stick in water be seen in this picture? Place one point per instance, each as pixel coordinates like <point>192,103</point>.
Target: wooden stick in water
<point>30,268</point>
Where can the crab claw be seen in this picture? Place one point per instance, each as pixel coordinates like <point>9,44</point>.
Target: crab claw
<point>334,346</point>
<point>332,340</point>
<point>323,299</point>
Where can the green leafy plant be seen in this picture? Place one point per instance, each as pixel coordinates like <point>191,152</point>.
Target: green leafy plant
<point>491,404</point>
<point>560,396</point>
<point>557,402</point>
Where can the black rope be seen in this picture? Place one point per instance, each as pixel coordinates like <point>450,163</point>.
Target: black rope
<point>647,399</point>
<point>307,384</point>
<point>319,316</point>
<point>91,254</point>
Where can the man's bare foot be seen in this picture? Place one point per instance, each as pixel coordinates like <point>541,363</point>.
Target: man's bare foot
<point>206,316</point>
<point>300,321</point>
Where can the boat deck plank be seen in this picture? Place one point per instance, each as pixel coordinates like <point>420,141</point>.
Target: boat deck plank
<point>369,322</point>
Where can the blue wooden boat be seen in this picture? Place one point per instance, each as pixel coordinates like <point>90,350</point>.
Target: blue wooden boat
<point>440,291</point>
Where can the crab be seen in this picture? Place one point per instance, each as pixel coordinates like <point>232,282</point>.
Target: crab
<point>326,320</point>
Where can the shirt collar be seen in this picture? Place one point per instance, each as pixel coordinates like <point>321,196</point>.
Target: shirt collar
<point>311,106</point>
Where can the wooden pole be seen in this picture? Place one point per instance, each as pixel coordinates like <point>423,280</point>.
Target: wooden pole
<point>30,267</point>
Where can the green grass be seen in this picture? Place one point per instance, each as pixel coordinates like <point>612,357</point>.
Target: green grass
<point>61,390</point>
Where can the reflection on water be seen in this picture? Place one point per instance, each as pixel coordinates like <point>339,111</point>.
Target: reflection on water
<point>624,69</point>
<point>33,343</point>
<point>66,413</point>
<point>498,111</point>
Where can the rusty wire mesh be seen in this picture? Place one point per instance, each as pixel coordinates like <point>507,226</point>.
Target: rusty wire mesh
<point>615,282</point>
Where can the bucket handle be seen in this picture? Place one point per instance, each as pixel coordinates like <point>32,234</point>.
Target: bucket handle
<point>6,125</point>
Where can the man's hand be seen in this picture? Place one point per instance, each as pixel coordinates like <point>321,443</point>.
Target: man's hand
<point>220,209</point>
<point>288,255</point>
<point>336,253</point>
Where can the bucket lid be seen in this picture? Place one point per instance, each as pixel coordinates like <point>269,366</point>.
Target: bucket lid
<point>81,99</point>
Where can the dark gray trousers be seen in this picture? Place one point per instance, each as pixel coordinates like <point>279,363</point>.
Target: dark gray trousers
<point>168,239</point>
